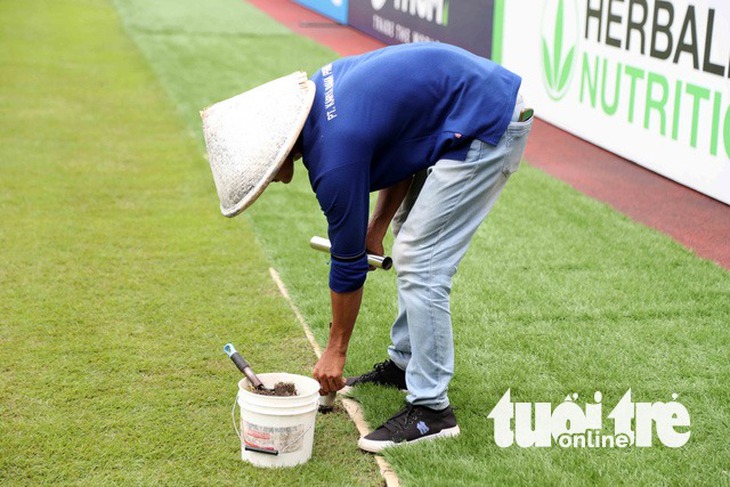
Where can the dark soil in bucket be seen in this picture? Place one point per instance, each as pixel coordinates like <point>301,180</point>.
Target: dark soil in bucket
<point>283,389</point>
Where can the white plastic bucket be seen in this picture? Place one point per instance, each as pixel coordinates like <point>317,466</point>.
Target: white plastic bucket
<point>278,431</point>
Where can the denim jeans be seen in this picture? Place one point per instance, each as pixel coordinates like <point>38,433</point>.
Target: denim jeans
<point>433,229</point>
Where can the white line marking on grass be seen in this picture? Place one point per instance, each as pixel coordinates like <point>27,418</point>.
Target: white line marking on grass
<point>297,313</point>
<point>352,407</point>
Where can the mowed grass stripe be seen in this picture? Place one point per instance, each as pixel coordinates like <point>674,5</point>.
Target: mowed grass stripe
<point>558,294</point>
<point>119,280</point>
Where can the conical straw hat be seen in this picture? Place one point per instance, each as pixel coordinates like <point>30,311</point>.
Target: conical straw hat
<point>249,136</point>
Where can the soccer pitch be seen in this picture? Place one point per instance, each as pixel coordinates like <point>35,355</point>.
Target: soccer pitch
<point>120,281</point>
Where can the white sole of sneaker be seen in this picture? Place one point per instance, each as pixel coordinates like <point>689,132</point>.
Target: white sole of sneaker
<point>377,446</point>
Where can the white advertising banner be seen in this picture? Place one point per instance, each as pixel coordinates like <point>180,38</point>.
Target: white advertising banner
<point>646,79</point>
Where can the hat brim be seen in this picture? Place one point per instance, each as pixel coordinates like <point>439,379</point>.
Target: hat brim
<point>249,136</point>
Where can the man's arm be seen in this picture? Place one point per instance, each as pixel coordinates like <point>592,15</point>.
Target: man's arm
<point>328,371</point>
<point>389,199</point>
<point>346,306</point>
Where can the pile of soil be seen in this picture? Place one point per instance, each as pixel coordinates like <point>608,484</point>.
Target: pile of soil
<point>282,389</point>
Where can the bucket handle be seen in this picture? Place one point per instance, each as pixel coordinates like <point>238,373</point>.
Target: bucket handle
<point>239,434</point>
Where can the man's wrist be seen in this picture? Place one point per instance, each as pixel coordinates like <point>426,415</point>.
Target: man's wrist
<point>336,348</point>
<point>377,229</point>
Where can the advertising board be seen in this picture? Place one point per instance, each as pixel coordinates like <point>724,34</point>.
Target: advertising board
<point>334,9</point>
<point>465,24</point>
<point>646,79</point>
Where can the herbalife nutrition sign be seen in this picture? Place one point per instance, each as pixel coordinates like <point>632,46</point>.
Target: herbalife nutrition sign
<point>646,79</point>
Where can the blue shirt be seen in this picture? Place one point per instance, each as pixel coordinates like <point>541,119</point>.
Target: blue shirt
<point>380,117</point>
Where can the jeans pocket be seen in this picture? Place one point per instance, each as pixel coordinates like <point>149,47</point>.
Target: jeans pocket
<point>517,133</point>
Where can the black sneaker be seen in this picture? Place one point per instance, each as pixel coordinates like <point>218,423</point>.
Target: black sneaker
<point>412,424</point>
<point>384,374</point>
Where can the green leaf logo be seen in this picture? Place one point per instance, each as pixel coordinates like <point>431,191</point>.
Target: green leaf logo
<point>558,37</point>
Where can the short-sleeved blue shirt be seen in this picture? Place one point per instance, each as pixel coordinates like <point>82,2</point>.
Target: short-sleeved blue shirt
<point>380,117</point>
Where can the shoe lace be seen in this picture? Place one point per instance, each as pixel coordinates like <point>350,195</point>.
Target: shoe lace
<point>378,370</point>
<point>402,419</point>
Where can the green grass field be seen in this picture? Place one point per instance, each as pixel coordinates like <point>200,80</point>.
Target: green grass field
<point>120,281</point>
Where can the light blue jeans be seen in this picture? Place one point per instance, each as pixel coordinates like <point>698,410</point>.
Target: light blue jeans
<point>433,229</point>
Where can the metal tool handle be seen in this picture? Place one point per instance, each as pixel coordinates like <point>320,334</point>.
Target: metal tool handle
<point>380,261</point>
<point>243,365</point>
<point>261,450</point>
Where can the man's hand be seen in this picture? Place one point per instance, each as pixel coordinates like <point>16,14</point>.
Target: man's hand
<point>328,371</point>
<point>374,245</point>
